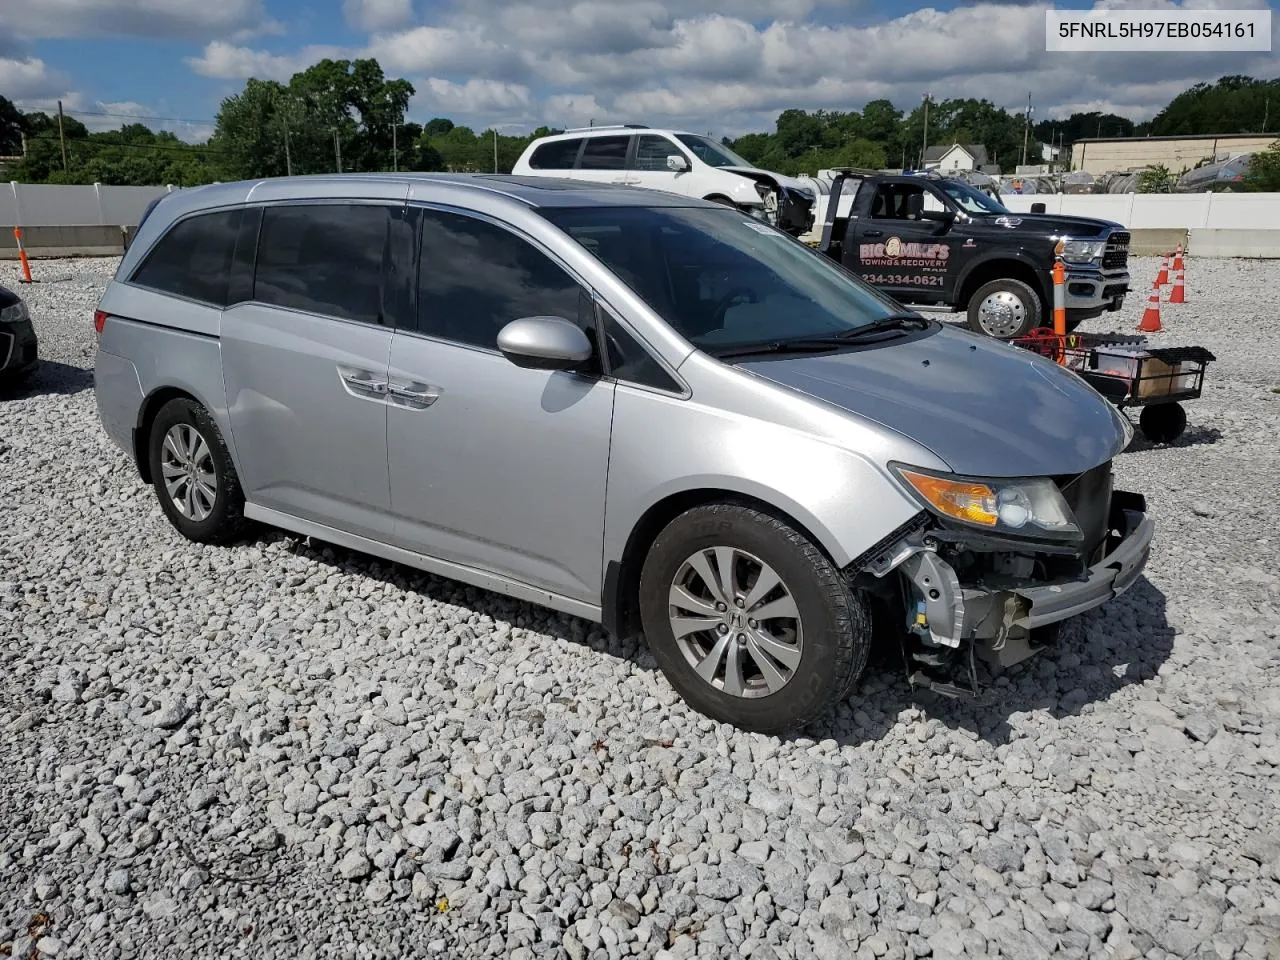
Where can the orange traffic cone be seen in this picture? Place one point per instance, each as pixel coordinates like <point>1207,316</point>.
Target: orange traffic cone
<point>1178,294</point>
<point>1177,258</point>
<point>1163,276</point>
<point>1150,322</point>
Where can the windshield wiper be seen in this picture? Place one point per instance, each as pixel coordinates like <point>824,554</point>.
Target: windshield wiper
<point>895,321</point>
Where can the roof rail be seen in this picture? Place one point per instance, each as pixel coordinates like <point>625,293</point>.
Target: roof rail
<point>610,126</point>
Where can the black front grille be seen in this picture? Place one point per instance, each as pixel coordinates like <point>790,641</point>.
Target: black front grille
<point>1089,497</point>
<point>1116,255</point>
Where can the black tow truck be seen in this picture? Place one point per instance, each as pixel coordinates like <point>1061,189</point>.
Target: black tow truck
<point>931,240</point>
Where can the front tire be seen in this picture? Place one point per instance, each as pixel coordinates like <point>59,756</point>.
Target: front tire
<point>193,475</point>
<point>749,620</point>
<point>1004,309</point>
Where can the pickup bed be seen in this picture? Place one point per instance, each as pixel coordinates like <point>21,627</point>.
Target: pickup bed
<point>931,240</point>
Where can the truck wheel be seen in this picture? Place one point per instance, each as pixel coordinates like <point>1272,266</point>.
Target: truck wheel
<point>749,621</point>
<point>1162,422</point>
<point>1004,309</point>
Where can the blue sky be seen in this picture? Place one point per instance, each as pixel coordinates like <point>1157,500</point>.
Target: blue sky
<point>727,66</point>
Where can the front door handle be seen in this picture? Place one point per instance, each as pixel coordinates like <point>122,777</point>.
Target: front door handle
<point>419,396</point>
<point>362,383</point>
<point>873,233</point>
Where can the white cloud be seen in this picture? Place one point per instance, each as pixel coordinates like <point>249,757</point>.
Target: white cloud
<point>444,98</point>
<point>29,79</point>
<point>377,14</point>
<point>226,61</point>
<point>133,18</point>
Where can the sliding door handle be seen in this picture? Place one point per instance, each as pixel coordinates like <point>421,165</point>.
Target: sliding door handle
<point>362,383</point>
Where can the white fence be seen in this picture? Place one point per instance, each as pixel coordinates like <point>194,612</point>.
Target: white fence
<point>1162,211</point>
<point>68,205</point>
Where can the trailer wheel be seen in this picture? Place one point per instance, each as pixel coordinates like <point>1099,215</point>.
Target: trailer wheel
<point>1004,309</point>
<point>1163,422</point>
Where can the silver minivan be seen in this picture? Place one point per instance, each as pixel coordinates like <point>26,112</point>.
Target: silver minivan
<point>653,412</point>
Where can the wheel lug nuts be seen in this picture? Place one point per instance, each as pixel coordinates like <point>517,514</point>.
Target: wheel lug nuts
<point>738,602</point>
<point>742,639</point>
<point>723,628</point>
<point>752,624</point>
<point>721,607</point>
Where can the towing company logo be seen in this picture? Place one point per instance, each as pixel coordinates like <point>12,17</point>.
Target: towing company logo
<point>895,252</point>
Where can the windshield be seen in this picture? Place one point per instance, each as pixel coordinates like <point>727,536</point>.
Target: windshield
<point>970,199</point>
<point>721,279</point>
<point>711,153</point>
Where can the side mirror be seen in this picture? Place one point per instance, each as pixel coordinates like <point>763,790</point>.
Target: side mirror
<point>677,163</point>
<point>544,343</point>
<point>939,216</point>
<point>1037,208</point>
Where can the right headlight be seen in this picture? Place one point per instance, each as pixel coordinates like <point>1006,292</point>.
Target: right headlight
<point>1028,507</point>
<point>14,313</point>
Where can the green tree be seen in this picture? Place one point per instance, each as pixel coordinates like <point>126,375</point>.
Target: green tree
<point>12,126</point>
<point>1233,104</point>
<point>1264,170</point>
<point>1157,179</point>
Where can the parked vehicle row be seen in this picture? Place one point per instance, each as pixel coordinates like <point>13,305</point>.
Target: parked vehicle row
<point>652,411</point>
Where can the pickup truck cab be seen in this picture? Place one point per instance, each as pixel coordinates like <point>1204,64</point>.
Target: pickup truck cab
<point>931,240</point>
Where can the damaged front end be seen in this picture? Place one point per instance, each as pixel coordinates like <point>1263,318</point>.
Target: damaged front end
<point>964,587</point>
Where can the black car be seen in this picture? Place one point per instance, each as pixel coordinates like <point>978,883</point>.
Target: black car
<point>18,345</point>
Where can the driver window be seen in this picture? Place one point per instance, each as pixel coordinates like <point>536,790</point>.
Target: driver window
<point>893,201</point>
<point>933,202</point>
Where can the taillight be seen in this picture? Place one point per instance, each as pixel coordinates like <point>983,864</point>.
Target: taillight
<point>99,320</point>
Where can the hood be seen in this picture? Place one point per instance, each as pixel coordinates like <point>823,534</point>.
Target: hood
<point>1047,224</point>
<point>984,407</point>
<point>755,173</point>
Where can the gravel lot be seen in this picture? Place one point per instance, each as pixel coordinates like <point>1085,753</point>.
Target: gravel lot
<point>281,750</point>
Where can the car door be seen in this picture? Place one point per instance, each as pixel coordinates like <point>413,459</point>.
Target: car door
<point>604,159</point>
<point>900,252</point>
<point>304,361</point>
<point>496,467</point>
<point>649,166</point>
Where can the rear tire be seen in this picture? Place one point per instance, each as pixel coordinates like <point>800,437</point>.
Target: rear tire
<point>1004,309</point>
<point>193,475</point>
<point>1162,422</point>
<point>769,674</point>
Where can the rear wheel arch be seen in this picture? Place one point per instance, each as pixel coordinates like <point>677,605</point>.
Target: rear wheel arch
<point>621,592</point>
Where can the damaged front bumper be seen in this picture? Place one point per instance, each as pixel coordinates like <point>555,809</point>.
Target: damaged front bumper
<point>997,616</point>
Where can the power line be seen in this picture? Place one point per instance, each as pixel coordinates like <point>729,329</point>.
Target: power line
<point>134,116</point>
<point>104,144</point>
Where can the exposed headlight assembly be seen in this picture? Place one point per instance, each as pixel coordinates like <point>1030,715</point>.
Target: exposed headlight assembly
<point>14,313</point>
<point>1027,507</point>
<point>1080,251</point>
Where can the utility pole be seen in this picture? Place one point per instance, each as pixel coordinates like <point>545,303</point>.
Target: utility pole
<point>288,159</point>
<point>1026,130</point>
<point>337,149</point>
<point>1266,113</point>
<point>924,143</point>
<point>395,149</point>
<point>495,149</point>
<point>61,139</point>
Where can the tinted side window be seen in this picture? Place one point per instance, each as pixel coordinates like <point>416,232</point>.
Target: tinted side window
<point>194,258</point>
<point>324,258</point>
<point>556,155</point>
<point>652,152</point>
<point>474,278</point>
<point>632,362</point>
<point>604,153</point>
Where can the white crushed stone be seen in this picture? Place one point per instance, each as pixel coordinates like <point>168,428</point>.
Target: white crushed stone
<point>276,750</point>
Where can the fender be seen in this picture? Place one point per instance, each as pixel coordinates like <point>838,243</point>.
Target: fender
<point>1015,255</point>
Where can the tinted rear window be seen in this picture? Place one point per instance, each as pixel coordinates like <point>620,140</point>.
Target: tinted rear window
<point>555,155</point>
<point>324,258</point>
<point>193,259</point>
<point>605,153</point>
